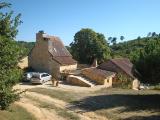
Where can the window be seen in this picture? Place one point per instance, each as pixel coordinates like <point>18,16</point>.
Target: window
<point>44,75</point>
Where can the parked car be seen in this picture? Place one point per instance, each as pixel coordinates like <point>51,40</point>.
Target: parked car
<point>144,86</point>
<point>40,78</point>
<point>27,76</point>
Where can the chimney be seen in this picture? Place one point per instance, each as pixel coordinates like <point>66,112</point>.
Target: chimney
<point>39,35</point>
<point>94,64</point>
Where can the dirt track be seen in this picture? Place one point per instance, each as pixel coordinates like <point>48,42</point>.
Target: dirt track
<point>41,113</point>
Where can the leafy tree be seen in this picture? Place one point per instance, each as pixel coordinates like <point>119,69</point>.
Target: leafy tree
<point>154,34</point>
<point>149,34</point>
<point>144,53</point>
<point>9,54</point>
<point>148,63</point>
<point>114,40</point>
<point>138,38</point>
<point>122,38</point>
<point>25,47</point>
<point>88,45</point>
<point>110,39</point>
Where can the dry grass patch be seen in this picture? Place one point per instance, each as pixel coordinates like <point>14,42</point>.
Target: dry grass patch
<point>123,104</point>
<point>68,115</point>
<point>66,96</point>
<point>16,112</point>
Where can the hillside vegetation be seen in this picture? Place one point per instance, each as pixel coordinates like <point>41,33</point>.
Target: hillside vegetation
<point>25,47</point>
<point>145,55</point>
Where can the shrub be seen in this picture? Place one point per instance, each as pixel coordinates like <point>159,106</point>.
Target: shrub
<point>122,81</point>
<point>7,97</point>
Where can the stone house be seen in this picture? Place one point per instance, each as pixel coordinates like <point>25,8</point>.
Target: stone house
<point>50,55</point>
<point>119,65</point>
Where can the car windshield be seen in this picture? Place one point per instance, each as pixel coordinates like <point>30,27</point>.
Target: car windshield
<point>35,76</point>
<point>44,75</point>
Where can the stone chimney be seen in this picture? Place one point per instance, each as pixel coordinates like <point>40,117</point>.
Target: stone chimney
<point>39,35</point>
<point>94,64</point>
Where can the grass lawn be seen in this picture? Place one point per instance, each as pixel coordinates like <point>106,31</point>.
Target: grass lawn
<point>61,112</point>
<point>124,104</point>
<point>15,112</point>
<point>113,103</point>
<point>59,94</point>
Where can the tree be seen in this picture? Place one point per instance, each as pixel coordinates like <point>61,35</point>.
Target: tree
<point>154,34</point>
<point>122,38</point>
<point>114,40</point>
<point>9,55</point>
<point>110,39</point>
<point>149,34</point>
<point>148,63</point>
<point>88,45</point>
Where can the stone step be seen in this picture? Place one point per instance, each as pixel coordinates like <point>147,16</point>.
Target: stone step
<point>81,81</point>
<point>91,81</point>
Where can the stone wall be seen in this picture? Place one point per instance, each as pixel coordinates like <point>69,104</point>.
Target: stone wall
<point>54,68</point>
<point>75,80</point>
<point>68,67</point>
<point>39,56</point>
<point>101,77</point>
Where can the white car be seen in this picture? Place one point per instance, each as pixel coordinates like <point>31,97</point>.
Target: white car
<point>27,76</point>
<point>40,78</point>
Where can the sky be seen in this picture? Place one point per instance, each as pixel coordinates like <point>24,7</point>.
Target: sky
<point>63,18</point>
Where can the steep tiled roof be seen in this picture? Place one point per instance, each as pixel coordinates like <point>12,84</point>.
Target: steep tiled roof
<point>98,72</point>
<point>125,65</point>
<point>58,51</point>
<point>65,60</point>
<point>122,63</point>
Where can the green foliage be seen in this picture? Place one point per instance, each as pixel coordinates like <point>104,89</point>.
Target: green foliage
<point>144,53</point>
<point>123,81</point>
<point>89,45</point>
<point>25,47</point>
<point>7,97</point>
<point>148,62</point>
<point>127,49</point>
<point>8,24</point>
<point>9,55</point>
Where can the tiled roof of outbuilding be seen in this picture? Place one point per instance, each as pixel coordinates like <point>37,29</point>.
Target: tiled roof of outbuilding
<point>123,63</point>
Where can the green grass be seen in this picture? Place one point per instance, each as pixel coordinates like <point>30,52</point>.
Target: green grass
<point>15,112</point>
<point>59,94</point>
<point>68,115</point>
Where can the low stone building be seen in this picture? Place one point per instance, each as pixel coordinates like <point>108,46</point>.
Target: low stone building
<point>50,55</point>
<point>120,66</point>
<point>101,77</point>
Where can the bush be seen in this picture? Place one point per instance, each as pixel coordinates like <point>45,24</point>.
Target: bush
<point>9,56</point>
<point>7,97</point>
<point>122,81</point>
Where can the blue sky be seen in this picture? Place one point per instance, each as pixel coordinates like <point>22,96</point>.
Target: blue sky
<point>63,18</point>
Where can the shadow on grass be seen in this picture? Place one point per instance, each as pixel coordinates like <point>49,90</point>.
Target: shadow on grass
<point>152,117</point>
<point>129,102</point>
